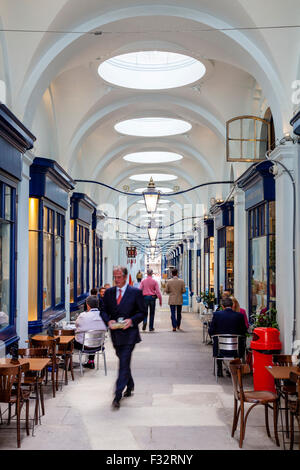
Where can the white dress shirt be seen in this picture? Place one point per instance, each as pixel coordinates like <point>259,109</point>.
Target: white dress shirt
<point>90,320</point>
<point>122,289</point>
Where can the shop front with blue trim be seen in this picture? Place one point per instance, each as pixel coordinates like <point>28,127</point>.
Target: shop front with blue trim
<point>81,222</point>
<point>97,271</point>
<point>48,204</point>
<point>209,255</point>
<point>15,140</point>
<point>259,186</point>
<point>224,223</point>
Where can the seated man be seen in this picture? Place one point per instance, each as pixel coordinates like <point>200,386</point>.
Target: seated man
<point>227,322</point>
<point>89,320</point>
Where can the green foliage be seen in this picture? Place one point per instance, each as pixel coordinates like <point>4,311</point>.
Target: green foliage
<point>208,298</point>
<point>266,319</point>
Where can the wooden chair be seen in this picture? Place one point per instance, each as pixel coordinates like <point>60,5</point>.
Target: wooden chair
<point>287,387</point>
<point>30,378</point>
<point>9,377</point>
<point>294,408</point>
<point>66,352</point>
<point>242,396</point>
<point>51,345</point>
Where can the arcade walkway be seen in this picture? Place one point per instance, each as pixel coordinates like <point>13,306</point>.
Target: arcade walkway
<point>177,403</point>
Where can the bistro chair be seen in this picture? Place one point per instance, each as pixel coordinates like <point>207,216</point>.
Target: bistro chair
<point>285,388</point>
<point>51,345</point>
<point>12,394</point>
<point>30,378</point>
<point>93,343</point>
<point>241,397</point>
<point>225,343</point>
<point>66,352</point>
<point>294,408</point>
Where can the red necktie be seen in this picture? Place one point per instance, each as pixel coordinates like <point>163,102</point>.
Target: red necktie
<point>120,297</point>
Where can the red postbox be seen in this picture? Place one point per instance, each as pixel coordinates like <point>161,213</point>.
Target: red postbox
<point>264,344</point>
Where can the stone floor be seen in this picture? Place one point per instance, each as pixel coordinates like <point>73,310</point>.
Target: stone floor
<point>177,402</point>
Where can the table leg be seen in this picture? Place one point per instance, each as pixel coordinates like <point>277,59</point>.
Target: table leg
<point>37,399</point>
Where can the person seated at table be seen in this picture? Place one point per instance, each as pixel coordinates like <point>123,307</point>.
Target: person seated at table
<point>94,292</point>
<point>236,308</point>
<point>89,320</point>
<point>227,322</point>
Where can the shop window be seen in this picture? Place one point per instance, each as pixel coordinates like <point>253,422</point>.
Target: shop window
<point>209,264</point>
<point>247,139</point>
<point>50,262</point>
<point>82,259</point>
<point>7,227</point>
<point>262,257</point>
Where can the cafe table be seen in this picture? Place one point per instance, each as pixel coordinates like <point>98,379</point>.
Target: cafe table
<point>280,373</point>
<point>64,341</point>
<point>37,365</point>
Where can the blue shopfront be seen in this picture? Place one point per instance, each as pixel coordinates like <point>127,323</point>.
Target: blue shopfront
<point>209,255</point>
<point>48,203</point>
<point>97,271</point>
<point>15,140</point>
<point>81,223</point>
<point>259,186</point>
<point>224,224</point>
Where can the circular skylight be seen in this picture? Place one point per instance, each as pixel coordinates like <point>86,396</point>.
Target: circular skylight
<point>161,189</point>
<point>155,176</point>
<point>151,70</point>
<point>152,157</point>
<point>153,127</point>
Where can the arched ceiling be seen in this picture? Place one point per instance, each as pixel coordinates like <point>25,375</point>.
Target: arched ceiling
<point>53,84</point>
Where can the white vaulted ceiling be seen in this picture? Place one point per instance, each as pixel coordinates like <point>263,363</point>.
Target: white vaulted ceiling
<point>51,73</point>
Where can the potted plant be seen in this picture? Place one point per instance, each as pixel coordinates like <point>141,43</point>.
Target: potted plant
<point>209,299</point>
<point>264,318</point>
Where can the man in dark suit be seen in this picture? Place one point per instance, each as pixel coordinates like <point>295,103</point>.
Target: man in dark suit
<point>227,322</point>
<point>126,302</point>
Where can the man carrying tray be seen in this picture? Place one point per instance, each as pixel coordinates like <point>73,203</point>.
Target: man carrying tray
<point>124,309</point>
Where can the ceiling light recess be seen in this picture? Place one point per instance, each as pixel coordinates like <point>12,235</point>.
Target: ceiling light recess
<point>152,157</point>
<point>153,127</point>
<point>151,70</point>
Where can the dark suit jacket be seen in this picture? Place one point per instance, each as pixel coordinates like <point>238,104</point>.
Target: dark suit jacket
<point>228,322</point>
<point>131,306</point>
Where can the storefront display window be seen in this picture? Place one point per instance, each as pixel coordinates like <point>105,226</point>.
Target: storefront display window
<point>262,257</point>
<point>209,264</point>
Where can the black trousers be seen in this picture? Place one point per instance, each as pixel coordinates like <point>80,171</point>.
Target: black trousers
<point>124,379</point>
<point>79,347</point>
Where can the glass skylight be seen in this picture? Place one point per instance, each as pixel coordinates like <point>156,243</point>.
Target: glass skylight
<point>151,70</point>
<point>153,127</point>
<point>155,176</point>
<point>161,189</point>
<point>152,157</point>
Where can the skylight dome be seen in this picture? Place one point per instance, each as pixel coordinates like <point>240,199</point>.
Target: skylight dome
<point>152,157</point>
<point>155,176</point>
<point>151,70</point>
<point>162,190</point>
<point>153,127</point>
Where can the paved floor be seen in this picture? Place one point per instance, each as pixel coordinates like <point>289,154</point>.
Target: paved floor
<point>177,403</point>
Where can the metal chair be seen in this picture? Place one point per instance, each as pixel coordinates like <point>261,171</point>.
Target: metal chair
<point>226,343</point>
<point>93,343</point>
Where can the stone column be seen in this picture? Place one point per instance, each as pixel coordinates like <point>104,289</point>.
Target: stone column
<point>240,249</point>
<point>22,247</point>
<point>288,155</point>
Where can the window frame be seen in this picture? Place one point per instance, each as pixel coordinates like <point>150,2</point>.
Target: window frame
<point>8,333</point>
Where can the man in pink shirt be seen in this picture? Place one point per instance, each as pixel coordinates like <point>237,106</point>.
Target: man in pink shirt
<point>151,291</point>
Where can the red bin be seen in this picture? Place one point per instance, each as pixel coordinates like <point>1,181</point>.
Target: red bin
<point>264,344</point>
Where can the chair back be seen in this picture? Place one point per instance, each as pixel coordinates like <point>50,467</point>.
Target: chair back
<point>283,360</point>
<point>93,339</point>
<point>33,352</point>
<point>237,371</point>
<point>62,332</point>
<point>227,343</point>
<point>10,376</point>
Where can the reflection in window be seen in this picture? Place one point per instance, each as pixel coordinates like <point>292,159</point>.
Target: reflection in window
<point>5,253</point>
<point>247,138</point>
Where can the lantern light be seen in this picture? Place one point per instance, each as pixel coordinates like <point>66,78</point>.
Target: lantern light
<point>151,197</point>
